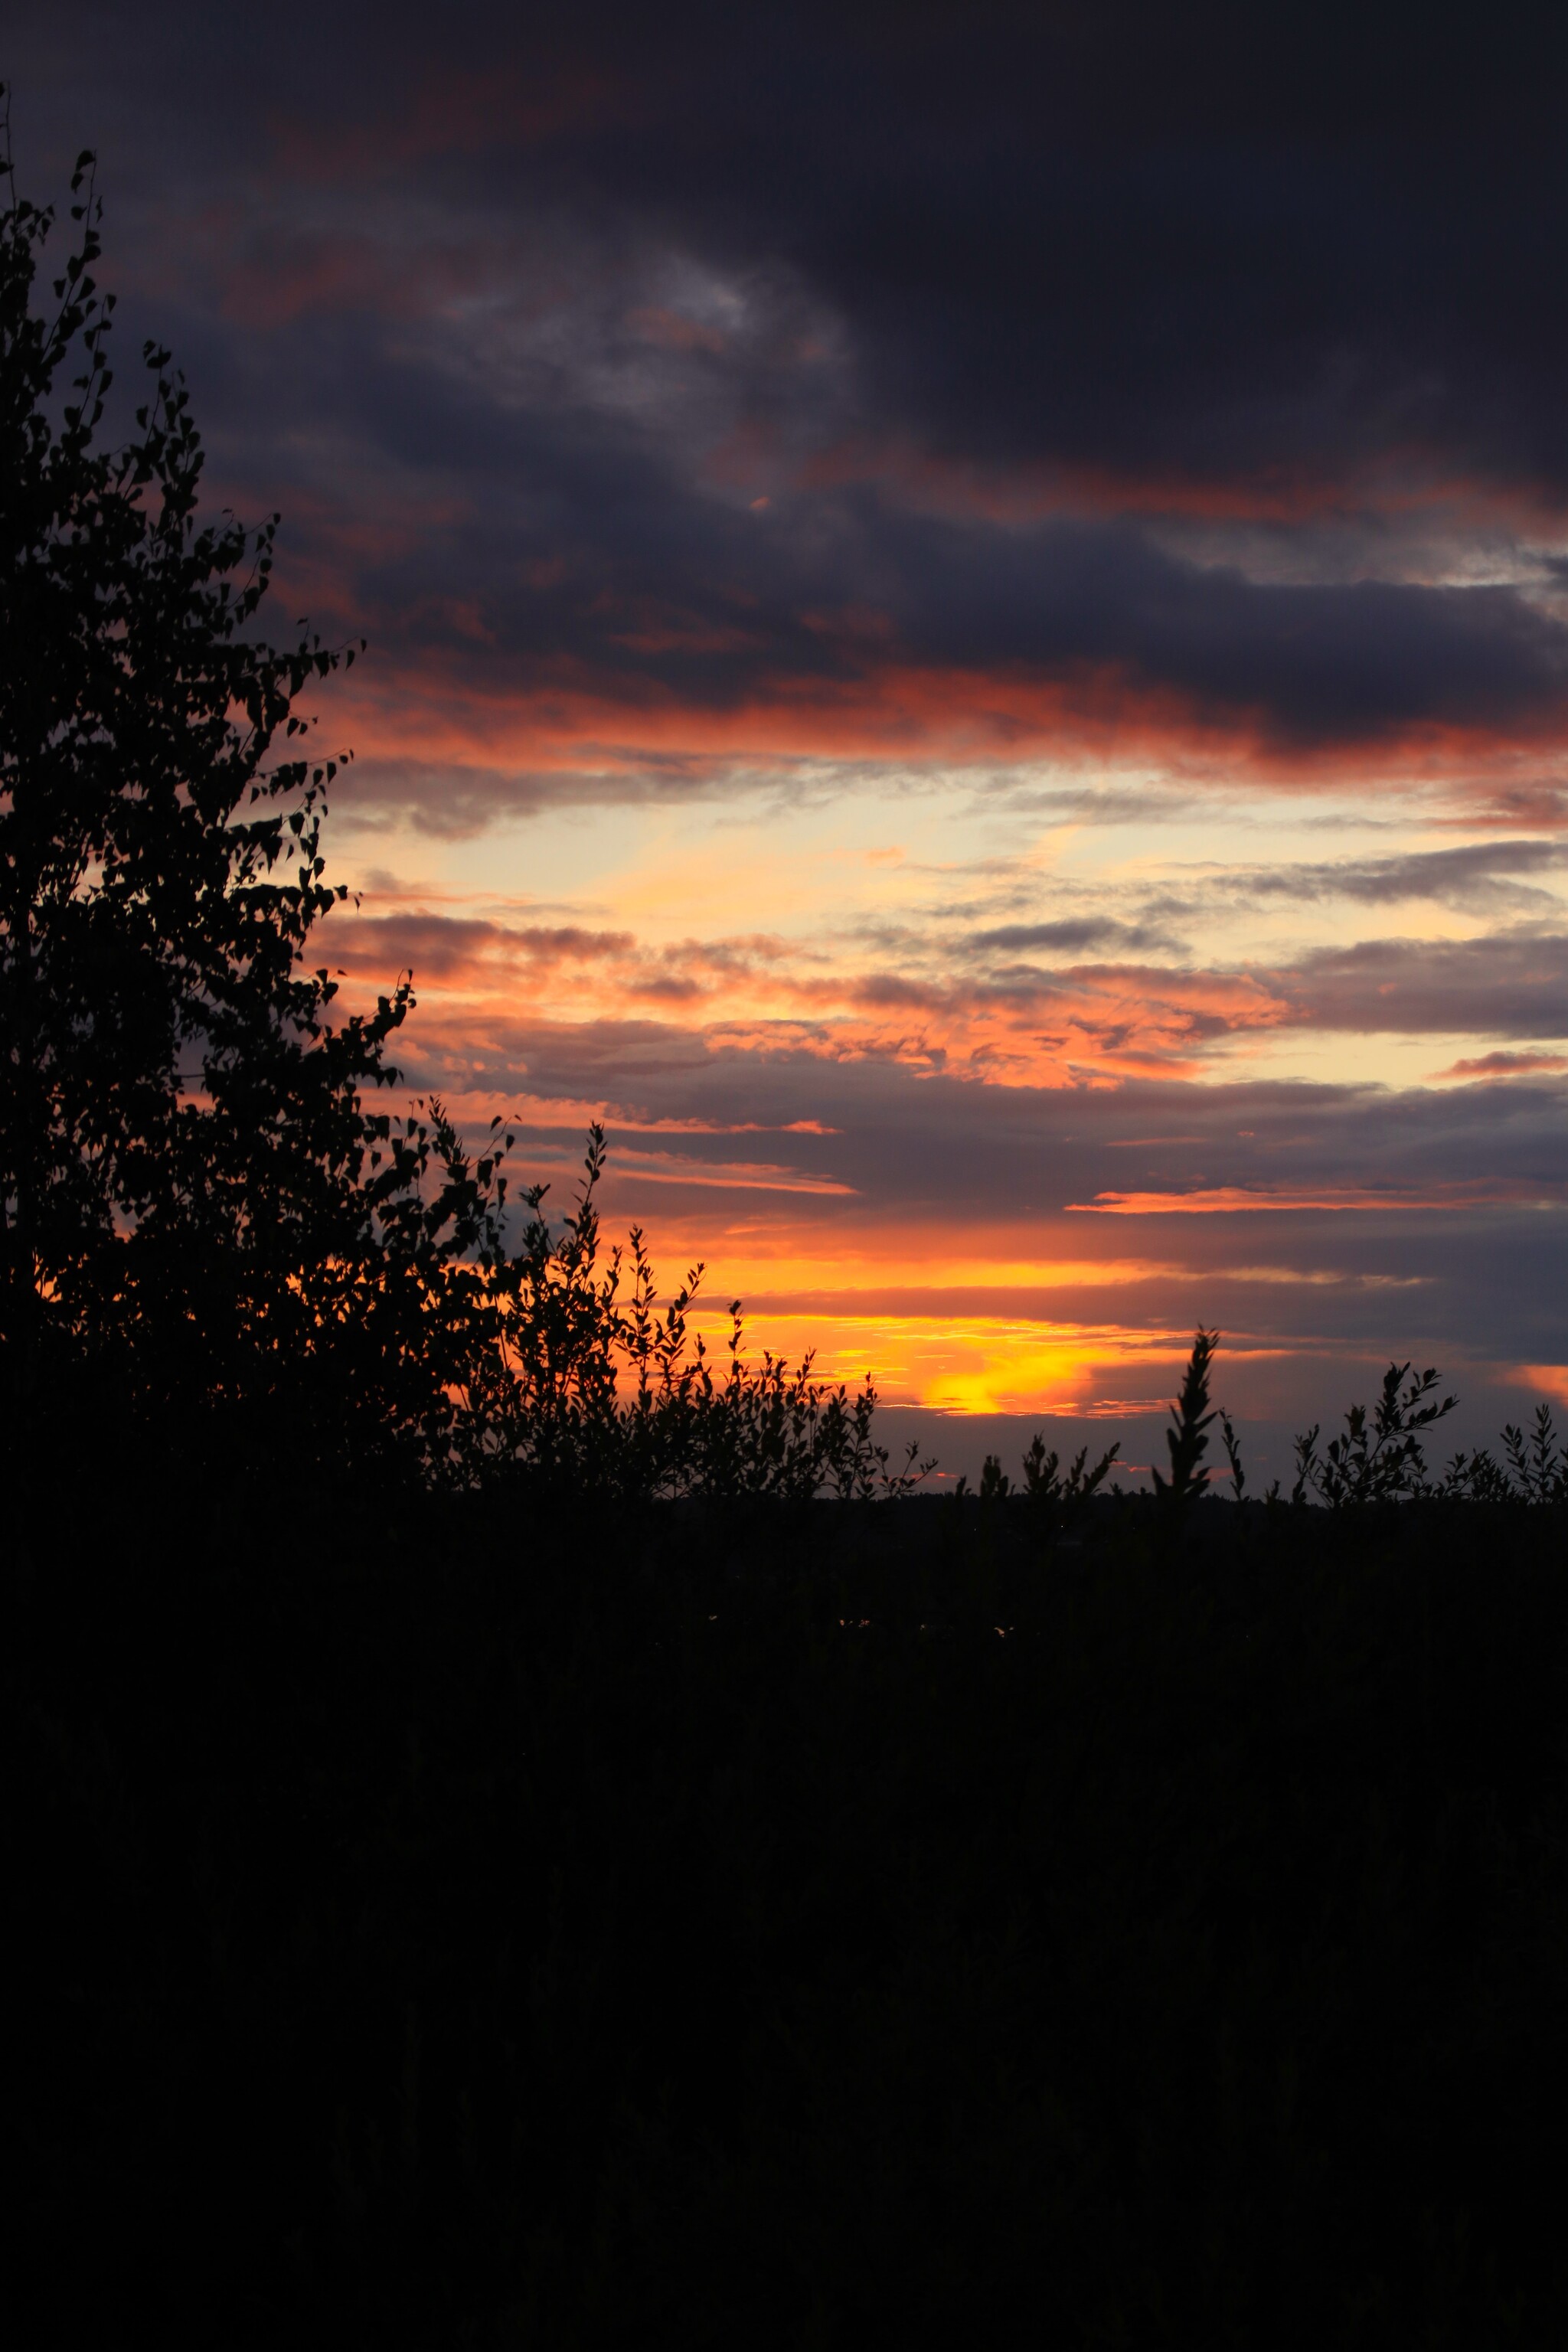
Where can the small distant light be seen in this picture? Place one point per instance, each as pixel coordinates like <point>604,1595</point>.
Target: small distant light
<point>758,504</point>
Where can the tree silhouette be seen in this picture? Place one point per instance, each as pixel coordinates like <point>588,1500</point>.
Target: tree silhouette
<point>200,1212</point>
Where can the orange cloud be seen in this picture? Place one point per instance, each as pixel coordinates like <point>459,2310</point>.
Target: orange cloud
<point>1225,1199</point>
<point>576,717</point>
<point>1043,1027</point>
<point>1070,1026</point>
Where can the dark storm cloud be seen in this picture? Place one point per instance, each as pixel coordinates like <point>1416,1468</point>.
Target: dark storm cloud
<point>1212,240</point>
<point>583,564</point>
<point>559,523</point>
<point>518,319</point>
<point>1207,241</point>
<point>575,534</point>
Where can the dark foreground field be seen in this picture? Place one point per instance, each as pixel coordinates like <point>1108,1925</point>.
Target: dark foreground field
<point>710,1930</point>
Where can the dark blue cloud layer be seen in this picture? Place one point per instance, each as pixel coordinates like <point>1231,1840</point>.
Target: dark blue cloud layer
<point>1118,246</point>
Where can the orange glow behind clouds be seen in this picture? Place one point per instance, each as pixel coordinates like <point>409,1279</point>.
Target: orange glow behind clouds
<point>884,710</point>
<point>977,1363</point>
<point>1113,1020</point>
<point>1224,1199</point>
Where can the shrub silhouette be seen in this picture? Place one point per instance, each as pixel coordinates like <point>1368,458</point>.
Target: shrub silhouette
<point>585,1389</point>
<point>1378,1458</point>
<point>1063,1492</point>
<point>1538,1466</point>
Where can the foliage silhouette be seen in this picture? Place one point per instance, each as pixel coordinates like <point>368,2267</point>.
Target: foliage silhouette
<point>1063,1492</point>
<point>1378,1459</point>
<point>1538,1466</point>
<point>588,1392</point>
<point>1187,1438</point>
<point>1537,1471</point>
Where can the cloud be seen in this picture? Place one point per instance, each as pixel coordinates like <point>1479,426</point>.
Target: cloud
<point>1480,876</point>
<point>1504,1065</point>
<point>696,639</point>
<point>1501,986</point>
<point>647,462</point>
<point>1162,254</point>
<point>1018,1003</point>
<point>1232,1200</point>
<point>545,516</point>
<point>1070,936</point>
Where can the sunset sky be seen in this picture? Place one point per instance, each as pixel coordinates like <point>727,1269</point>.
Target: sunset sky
<point>968,633</point>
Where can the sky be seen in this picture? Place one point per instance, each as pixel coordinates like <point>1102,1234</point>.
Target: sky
<point>968,642</point>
